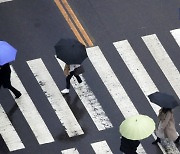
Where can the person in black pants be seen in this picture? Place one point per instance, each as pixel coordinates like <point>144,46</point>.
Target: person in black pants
<point>5,75</point>
<point>69,72</point>
<point>129,146</point>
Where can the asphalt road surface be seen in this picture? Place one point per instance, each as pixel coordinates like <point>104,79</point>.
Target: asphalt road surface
<point>134,52</point>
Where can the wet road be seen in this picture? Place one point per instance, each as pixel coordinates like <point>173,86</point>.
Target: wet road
<point>114,80</point>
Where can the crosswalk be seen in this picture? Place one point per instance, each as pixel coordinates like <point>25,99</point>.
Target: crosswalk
<point>88,98</point>
<point>3,1</point>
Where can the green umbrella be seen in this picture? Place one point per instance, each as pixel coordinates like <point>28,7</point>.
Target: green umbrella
<point>137,127</point>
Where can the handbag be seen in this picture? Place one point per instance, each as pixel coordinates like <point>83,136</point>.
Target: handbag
<point>66,70</point>
<point>79,70</point>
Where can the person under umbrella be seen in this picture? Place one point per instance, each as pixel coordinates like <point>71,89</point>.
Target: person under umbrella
<point>69,71</point>
<point>129,146</point>
<point>166,126</point>
<point>134,129</point>
<point>72,53</point>
<point>5,75</point>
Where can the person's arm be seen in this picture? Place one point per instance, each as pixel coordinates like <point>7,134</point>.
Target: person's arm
<point>166,120</point>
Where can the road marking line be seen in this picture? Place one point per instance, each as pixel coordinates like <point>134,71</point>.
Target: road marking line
<point>72,26</point>
<point>112,83</point>
<point>137,70</point>
<point>78,24</point>
<point>8,132</point>
<point>30,112</point>
<point>3,1</point>
<point>55,98</point>
<point>90,102</point>
<point>101,147</point>
<point>164,61</point>
<point>70,151</point>
<point>176,35</point>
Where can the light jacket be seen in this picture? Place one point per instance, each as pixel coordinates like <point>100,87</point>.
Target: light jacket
<point>167,126</point>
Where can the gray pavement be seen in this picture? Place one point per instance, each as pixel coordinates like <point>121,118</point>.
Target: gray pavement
<point>33,27</point>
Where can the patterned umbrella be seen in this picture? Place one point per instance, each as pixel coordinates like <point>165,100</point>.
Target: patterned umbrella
<point>7,53</point>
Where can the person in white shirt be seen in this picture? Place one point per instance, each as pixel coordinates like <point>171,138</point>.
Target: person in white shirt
<point>69,72</point>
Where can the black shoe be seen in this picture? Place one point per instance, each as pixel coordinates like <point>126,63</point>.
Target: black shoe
<point>18,95</point>
<point>177,140</point>
<point>156,141</point>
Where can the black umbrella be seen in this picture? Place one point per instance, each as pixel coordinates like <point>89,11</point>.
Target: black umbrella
<point>70,51</point>
<point>163,100</point>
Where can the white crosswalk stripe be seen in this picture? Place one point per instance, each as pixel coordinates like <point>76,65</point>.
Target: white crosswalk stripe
<point>56,99</point>
<point>2,1</point>
<point>8,132</point>
<point>30,112</point>
<point>90,102</point>
<point>138,71</point>
<point>176,35</point>
<point>164,61</point>
<point>86,95</point>
<point>111,82</point>
<point>70,151</point>
<point>101,147</point>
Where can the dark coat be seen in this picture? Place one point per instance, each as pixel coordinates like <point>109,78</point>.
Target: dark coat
<point>129,146</point>
<point>5,74</point>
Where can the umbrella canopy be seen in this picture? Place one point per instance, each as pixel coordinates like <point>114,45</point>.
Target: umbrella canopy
<point>70,51</point>
<point>163,100</point>
<point>137,127</point>
<point>7,53</point>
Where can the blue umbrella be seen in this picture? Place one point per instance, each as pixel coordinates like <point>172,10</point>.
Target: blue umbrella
<point>7,53</point>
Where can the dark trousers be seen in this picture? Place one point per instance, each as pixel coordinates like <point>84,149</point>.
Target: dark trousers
<point>15,91</point>
<point>68,78</point>
<point>10,87</point>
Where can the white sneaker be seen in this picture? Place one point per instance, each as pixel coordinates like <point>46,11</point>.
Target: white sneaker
<point>65,91</point>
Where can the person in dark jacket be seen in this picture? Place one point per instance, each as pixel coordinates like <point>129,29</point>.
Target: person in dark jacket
<point>5,75</point>
<point>129,146</point>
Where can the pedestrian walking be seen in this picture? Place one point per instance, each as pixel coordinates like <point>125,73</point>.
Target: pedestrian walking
<point>166,126</point>
<point>5,75</point>
<point>129,146</point>
<point>69,71</point>
<point>133,129</point>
